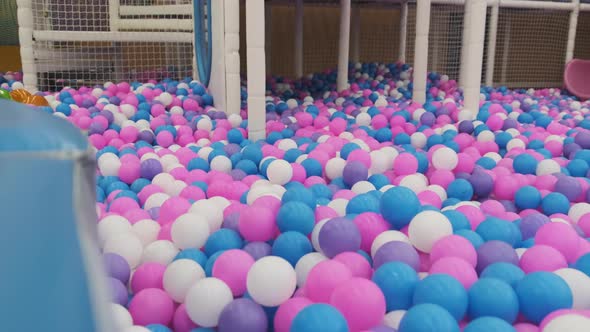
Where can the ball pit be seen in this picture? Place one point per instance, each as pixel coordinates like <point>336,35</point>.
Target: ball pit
<point>362,211</point>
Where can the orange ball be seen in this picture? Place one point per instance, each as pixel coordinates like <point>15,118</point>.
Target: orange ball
<point>20,95</point>
<point>37,101</point>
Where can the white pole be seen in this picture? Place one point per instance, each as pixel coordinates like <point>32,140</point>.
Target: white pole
<point>25,36</point>
<point>232,56</point>
<point>217,83</point>
<point>299,38</point>
<point>355,33</point>
<point>421,50</point>
<point>492,39</point>
<point>571,36</point>
<point>268,34</point>
<point>471,90</point>
<point>403,31</point>
<point>256,69</point>
<point>464,50</point>
<point>344,45</point>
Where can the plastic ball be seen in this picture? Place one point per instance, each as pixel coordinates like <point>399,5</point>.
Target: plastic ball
<point>542,258</point>
<point>445,158</point>
<point>507,272</point>
<point>397,281</point>
<point>443,290</point>
<point>147,275</point>
<point>527,197</point>
<point>493,252</point>
<point>271,281</point>
<point>493,297</point>
<point>151,306</point>
<point>323,278</point>
<point>399,205</point>
<point>360,301</point>
<point>116,267</point>
<point>291,246</point>
<point>190,231</point>
<point>296,216</point>
<point>428,317</point>
<point>339,235</point>
<point>426,228</point>
<point>568,322</point>
<point>456,267</point>
<point>121,317</point>
<point>179,276</point>
<point>126,245</point>
<point>454,246</point>
<point>488,324</point>
<point>232,267</point>
<point>540,293</point>
<point>205,301</point>
<point>279,172</point>
<point>306,264</point>
<point>243,315</point>
<point>287,311</point>
<point>397,251</point>
<point>579,284</point>
<point>319,317</point>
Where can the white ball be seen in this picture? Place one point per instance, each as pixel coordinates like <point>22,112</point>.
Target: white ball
<point>220,202</point>
<point>165,98</point>
<point>190,231</point>
<point>386,188</point>
<point>136,328</point>
<point>126,245</point>
<point>362,187</point>
<point>426,228</point>
<point>163,179</point>
<point>385,237</point>
<point>418,114</point>
<point>109,164</point>
<point>363,119</point>
<point>418,140</point>
<point>211,212</point>
<point>520,252</point>
<point>271,281</point>
<point>279,172</point>
<point>578,210</point>
<point>292,103</point>
<point>180,276</point>
<point>548,166</point>
<point>128,110</point>
<point>393,318</point>
<point>235,120</point>
<point>568,323</point>
<point>206,299</point>
<point>205,124</point>
<point>417,182</point>
<point>121,317</point>
<point>515,143</point>
<point>112,225</point>
<point>579,283</point>
<point>335,168</point>
<point>146,230</point>
<point>486,136</point>
<point>177,110</point>
<point>305,264</point>
<point>339,205</point>
<point>315,235</point>
<point>155,200</point>
<point>222,164</point>
<point>445,158</point>
<point>379,162</point>
<point>160,251</point>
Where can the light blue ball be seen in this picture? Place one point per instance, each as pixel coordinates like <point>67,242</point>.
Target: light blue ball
<point>139,184</point>
<point>203,329</point>
<point>319,317</point>
<point>299,194</point>
<point>555,203</point>
<point>291,246</point>
<point>497,229</point>
<point>489,324</point>
<point>194,255</point>
<point>397,281</point>
<point>583,264</point>
<point>296,216</point>
<point>578,168</point>
<point>211,262</point>
<point>493,297</point>
<point>235,136</point>
<point>527,197</point>
<point>445,291</point>
<point>399,205</point>
<point>312,167</point>
<point>223,239</point>
<point>541,293</point>
<point>506,272</point>
<point>458,220</point>
<point>158,328</point>
<point>525,164</point>
<point>460,189</point>
<point>363,203</point>
<point>428,317</point>
<point>472,236</point>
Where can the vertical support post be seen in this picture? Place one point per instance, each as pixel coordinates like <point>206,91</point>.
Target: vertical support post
<point>403,31</point>
<point>343,45</point>
<point>298,39</point>
<point>268,34</point>
<point>506,50</point>
<point>256,69</point>
<point>492,39</point>
<point>232,56</point>
<point>217,84</point>
<point>355,34</point>
<point>25,36</point>
<point>465,50</point>
<point>471,90</point>
<point>421,50</point>
<point>571,36</point>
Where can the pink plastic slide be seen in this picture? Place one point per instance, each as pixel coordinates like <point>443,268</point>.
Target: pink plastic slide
<point>577,78</point>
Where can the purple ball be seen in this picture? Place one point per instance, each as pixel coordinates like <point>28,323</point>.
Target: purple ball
<point>583,139</point>
<point>443,110</point>
<point>339,235</point>
<point>95,128</point>
<point>509,206</point>
<point>258,249</point>
<point>482,184</point>
<point>237,174</point>
<point>493,252</point>
<point>466,127</point>
<point>231,221</point>
<point>146,136</point>
<point>531,223</point>
<point>117,267</point>
<point>383,328</point>
<point>243,315</point>
<point>150,168</point>
<point>569,150</point>
<point>428,119</point>
<point>118,291</point>
<point>108,115</point>
<point>509,123</point>
<point>354,172</point>
<point>569,187</point>
<point>231,149</point>
<point>397,251</point>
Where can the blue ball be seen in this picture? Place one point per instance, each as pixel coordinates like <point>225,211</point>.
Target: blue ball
<point>312,167</point>
<point>525,164</point>
<point>527,197</point>
<point>363,203</point>
<point>319,317</point>
<point>460,189</point>
<point>555,203</point>
<point>299,194</point>
<point>211,261</point>
<point>397,281</point>
<point>100,195</point>
<point>203,329</point>
<point>445,291</point>
<point>198,163</point>
<point>399,205</point>
<point>158,328</point>
<point>248,166</point>
<point>291,155</point>
<point>194,255</point>
<point>541,293</point>
<point>493,297</point>
<point>458,220</point>
<point>347,149</point>
<point>489,324</point>
<point>223,239</point>
<point>291,246</point>
<point>472,236</point>
<point>296,216</point>
<point>428,317</point>
<point>497,229</point>
<point>253,152</point>
<point>578,168</point>
<point>583,264</point>
<point>378,180</point>
<point>506,272</point>
<point>235,136</point>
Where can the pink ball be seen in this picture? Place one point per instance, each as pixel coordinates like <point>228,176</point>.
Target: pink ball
<point>454,246</point>
<point>194,193</point>
<point>147,191</point>
<point>128,134</point>
<point>181,321</point>
<point>405,164</point>
<point>136,215</point>
<point>129,172</point>
<point>232,267</point>
<point>442,178</point>
<point>173,208</point>
<point>165,232</point>
<point>147,275</point>
<point>560,236</point>
<point>287,312</point>
<point>357,264</point>
<point>337,126</point>
<point>361,302</point>
<point>526,327</point>
<point>165,138</point>
<point>151,306</point>
<point>324,278</point>
<point>257,224</point>
<point>360,155</point>
<point>456,267</point>
<point>542,258</point>
<point>370,225</point>
<point>122,204</point>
